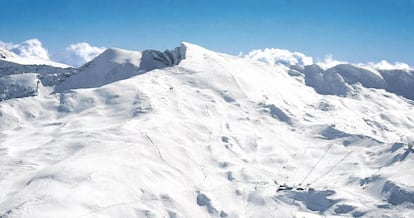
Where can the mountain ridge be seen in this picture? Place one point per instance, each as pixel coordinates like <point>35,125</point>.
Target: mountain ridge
<point>213,135</point>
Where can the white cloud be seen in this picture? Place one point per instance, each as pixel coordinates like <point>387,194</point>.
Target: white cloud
<point>279,56</point>
<point>5,45</point>
<point>31,48</point>
<point>74,55</point>
<point>79,53</point>
<point>385,65</point>
<point>329,62</point>
<point>285,57</point>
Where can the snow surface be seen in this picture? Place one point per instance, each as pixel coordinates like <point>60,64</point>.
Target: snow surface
<point>339,80</point>
<point>10,56</point>
<point>34,61</point>
<point>4,53</point>
<point>195,133</point>
<point>17,80</point>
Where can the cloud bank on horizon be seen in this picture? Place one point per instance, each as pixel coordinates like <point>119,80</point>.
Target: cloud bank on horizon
<point>80,53</point>
<point>279,56</point>
<point>286,57</point>
<point>74,55</point>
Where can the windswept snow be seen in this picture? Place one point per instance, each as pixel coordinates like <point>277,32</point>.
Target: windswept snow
<point>19,85</point>
<point>194,133</point>
<point>4,53</point>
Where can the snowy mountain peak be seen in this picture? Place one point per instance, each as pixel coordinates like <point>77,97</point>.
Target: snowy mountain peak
<point>115,56</point>
<point>342,79</point>
<point>28,56</point>
<point>117,64</point>
<point>205,134</point>
<point>153,59</point>
<point>4,53</point>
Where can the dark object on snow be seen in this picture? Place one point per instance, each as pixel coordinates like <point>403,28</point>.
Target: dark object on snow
<point>284,187</point>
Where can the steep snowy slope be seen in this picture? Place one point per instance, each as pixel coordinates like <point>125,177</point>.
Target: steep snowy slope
<point>17,80</point>
<point>9,56</point>
<point>29,52</point>
<point>117,64</point>
<point>21,76</point>
<point>34,61</point>
<point>194,133</point>
<point>4,53</point>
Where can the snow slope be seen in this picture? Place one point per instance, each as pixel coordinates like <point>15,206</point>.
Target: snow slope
<point>339,79</point>
<point>117,64</point>
<point>195,133</point>
<point>4,53</point>
<point>10,56</point>
<point>21,76</point>
<point>17,80</point>
<point>34,61</point>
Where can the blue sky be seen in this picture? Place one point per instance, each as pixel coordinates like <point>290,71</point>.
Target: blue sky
<point>351,30</point>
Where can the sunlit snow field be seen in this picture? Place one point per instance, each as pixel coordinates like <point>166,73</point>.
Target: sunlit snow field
<point>195,133</point>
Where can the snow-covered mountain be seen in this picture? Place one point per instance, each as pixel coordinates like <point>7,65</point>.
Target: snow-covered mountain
<point>29,52</point>
<point>194,133</point>
<point>20,77</point>
<point>4,53</point>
